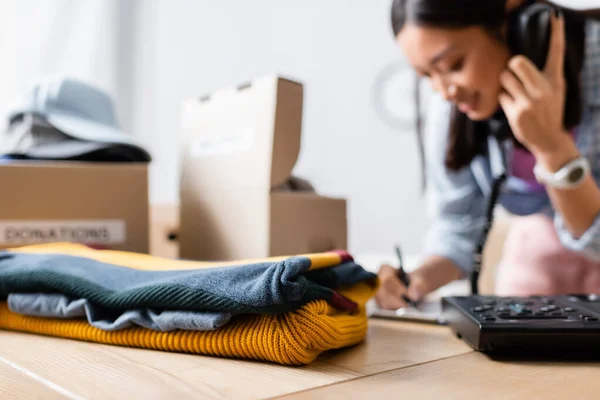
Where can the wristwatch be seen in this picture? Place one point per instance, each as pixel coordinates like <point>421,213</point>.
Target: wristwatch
<point>568,177</point>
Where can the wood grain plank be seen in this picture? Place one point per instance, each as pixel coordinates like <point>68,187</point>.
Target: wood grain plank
<point>395,344</point>
<point>101,371</point>
<point>473,376</point>
<point>97,371</point>
<point>15,384</point>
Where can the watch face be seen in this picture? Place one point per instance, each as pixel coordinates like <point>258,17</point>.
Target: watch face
<point>575,175</point>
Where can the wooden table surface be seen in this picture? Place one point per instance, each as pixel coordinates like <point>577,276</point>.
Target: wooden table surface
<point>398,358</point>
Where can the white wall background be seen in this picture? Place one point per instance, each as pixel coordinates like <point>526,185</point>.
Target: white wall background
<point>337,48</point>
<point>153,54</point>
<point>76,38</point>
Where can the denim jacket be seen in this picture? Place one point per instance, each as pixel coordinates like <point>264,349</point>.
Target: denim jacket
<point>460,197</point>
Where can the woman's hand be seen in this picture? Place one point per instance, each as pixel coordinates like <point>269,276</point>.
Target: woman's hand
<point>432,274</point>
<point>392,293</point>
<point>534,100</point>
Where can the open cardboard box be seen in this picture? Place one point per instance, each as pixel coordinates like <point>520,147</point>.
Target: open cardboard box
<point>240,146</point>
<point>164,230</point>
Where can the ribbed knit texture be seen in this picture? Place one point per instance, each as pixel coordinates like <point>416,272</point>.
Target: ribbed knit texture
<point>117,280</point>
<point>293,338</point>
<point>157,296</point>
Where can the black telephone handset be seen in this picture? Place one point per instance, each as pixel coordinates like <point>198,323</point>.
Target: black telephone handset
<point>530,30</point>
<point>529,33</point>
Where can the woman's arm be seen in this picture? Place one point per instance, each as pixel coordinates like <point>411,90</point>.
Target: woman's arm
<point>458,223</point>
<point>533,101</point>
<point>578,207</point>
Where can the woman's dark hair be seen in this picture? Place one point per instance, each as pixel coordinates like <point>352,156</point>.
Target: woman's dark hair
<point>468,138</point>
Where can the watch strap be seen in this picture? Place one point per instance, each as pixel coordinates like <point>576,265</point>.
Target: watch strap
<point>568,177</point>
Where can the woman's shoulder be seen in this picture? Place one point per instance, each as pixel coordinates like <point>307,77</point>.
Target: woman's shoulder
<point>437,128</point>
<point>591,69</point>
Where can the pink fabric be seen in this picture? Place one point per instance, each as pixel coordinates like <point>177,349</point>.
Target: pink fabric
<point>521,167</point>
<point>535,263</point>
<point>522,164</point>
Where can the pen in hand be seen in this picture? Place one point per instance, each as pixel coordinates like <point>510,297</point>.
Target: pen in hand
<point>404,278</point>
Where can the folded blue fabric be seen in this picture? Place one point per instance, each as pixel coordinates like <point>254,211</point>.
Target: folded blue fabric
<point>270,287</point>
<point>54,305</point>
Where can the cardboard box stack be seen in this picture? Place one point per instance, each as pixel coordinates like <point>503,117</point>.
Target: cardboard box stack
<point>239,148</point>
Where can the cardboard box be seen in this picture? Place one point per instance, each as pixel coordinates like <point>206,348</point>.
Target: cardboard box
<point>164,230</point>
<point>240,146</point>
<point>99,204</point>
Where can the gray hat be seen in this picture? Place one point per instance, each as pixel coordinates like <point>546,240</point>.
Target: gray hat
<point>83,118</point>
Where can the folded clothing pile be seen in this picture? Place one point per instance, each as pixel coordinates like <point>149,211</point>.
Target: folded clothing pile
<point>285,310</point>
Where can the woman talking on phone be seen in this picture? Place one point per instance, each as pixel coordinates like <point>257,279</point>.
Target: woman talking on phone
<point>498,113</point>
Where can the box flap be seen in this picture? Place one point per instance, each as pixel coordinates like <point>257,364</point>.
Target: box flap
<point>243,137</point>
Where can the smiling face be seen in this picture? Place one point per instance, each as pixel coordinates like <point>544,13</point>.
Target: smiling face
<point>464,65</point>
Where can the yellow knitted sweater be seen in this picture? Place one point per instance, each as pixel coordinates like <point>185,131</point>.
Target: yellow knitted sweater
<point>292,338</point>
